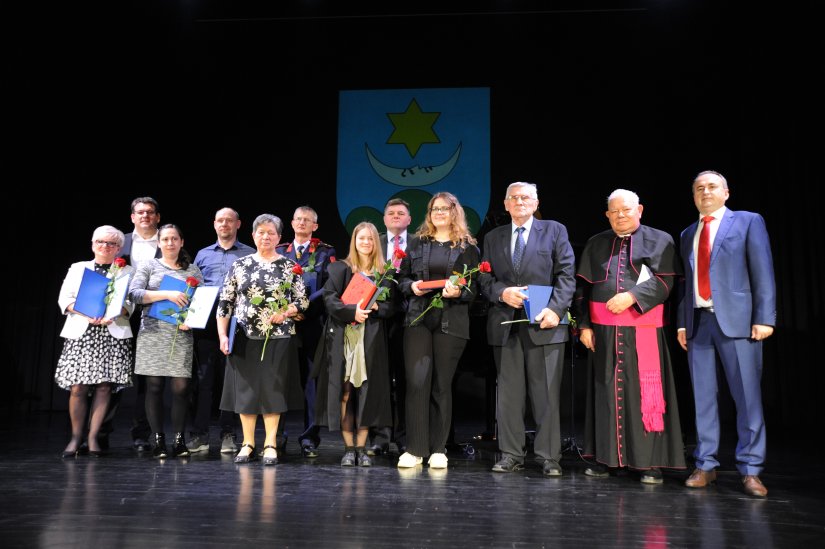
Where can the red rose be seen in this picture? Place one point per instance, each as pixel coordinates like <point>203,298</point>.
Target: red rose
<point>399,254</point>
<point>314,241</point>
<point>332,259</point>
<point>192,282</point>
<point>484,267</point>
<point>120,262</point>
<point>297,269</point>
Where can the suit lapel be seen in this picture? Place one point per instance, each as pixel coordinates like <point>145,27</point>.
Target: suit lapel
<point>724,226</point>
<point>690,235</point>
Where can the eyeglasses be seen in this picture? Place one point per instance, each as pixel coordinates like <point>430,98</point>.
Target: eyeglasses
<point>441,210</point>
<point>144,212</point>
<point>107,243</point>
<point>304,219</point>
<point>517,197</point>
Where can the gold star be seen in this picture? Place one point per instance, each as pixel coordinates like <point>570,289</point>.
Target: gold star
<point>413,128</point>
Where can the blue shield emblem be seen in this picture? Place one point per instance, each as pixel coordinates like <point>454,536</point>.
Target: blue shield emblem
<point>411,144</point>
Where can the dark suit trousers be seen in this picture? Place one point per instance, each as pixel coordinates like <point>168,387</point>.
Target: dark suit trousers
<point>431,358</point>
<point>742,363</point>
<point>524,367</point>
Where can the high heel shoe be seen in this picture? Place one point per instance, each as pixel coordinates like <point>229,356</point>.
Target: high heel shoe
<point>179,448</point>
<point>248,457</point>
<point>160,451</point>
<point>273,460</point>
<point>67,455</point>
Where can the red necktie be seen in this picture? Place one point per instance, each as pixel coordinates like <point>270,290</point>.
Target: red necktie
<point>396,244</point>
<point>703,260</point>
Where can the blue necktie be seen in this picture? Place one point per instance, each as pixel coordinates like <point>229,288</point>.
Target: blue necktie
<point>299,252</point>
<point>518,251</point>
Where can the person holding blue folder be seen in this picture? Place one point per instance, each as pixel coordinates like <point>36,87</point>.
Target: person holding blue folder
<point>97,352</point>
<point>529,355</point>
<point>164,350</point>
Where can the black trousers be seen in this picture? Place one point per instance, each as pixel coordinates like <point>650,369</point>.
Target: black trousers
<point>430,358</point>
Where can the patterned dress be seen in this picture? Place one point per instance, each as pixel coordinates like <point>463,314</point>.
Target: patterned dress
<point>155,355</point>
<point>95,357</point>
<point>262,375</point>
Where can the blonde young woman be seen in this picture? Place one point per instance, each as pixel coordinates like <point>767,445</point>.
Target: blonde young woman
<point>353,375</point>
<point>434,340</point>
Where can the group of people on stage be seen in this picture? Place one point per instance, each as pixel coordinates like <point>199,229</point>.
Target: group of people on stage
<point>287,336</point>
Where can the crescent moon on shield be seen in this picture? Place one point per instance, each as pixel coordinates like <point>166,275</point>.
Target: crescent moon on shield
<point>415,176</point>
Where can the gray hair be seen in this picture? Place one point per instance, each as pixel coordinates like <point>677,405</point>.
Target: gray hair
<point>711,172</point>
<point>308,210</point>
<point>108,230</point>
<point>268,218</point>
<point>629,196</point>
<point>532,189</point>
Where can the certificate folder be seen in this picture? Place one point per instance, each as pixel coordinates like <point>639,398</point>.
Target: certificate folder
<point>92,292</point>
<point>436,284</point>
<point>538,297</point>
<point>360,288</point>
<point>199,305</point>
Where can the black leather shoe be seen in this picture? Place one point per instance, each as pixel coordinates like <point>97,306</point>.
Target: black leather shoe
<point>378,450</point>
<point>364,460</point>
<point>651,476</point>
<point>141,445</point>
<point>349,457</point>
<point>248,457</point>
<point>308,449</point>
<point>507,465</point>
<point>270,460</point>
<point>551,468</point>
<point>597,471</point>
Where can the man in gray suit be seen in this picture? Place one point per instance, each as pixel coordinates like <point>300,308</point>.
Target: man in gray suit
<point>528,353</point>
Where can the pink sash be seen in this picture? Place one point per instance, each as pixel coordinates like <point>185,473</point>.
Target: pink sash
<point>647,352</point>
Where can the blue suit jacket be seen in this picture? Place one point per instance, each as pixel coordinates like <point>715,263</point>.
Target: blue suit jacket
<point>741,275</point>
<point>548,260</point>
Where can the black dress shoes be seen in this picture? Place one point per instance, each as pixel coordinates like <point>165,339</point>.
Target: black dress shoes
<point>179,448</point>
<point>160,451</point>
<point>309,449</point>
<point>270,460</point>
<point>597,471</point>
<point>507,465</point>
<point>241,458</point>
<point>378,450</point>
<point>551,468</point>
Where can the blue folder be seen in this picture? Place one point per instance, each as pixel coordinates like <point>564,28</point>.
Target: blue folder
<point>168,283</point>
<point>91,293</point>
<point>538,297</point>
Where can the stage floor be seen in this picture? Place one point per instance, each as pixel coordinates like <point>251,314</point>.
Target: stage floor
<point>122,500</point>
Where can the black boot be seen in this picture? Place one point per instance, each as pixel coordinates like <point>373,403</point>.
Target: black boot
<point>159,451</point>
<point>179,449</point>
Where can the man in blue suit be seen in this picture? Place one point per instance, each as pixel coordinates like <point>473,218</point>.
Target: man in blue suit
<point>528,354</point>
<point>729,308</point>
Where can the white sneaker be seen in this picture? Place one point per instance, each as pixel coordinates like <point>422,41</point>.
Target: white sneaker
<point>409,460</point>
<point>438,461</point>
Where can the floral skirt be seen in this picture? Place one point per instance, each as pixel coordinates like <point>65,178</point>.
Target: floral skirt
<point>95,357</point>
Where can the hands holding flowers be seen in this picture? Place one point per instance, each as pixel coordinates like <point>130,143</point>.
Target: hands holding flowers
<point>391,267</point>
<point>453,287</point>
<point>278,307</point>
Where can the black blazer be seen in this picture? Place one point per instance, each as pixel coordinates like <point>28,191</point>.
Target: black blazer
<point>126,250</point>
<point>548,260</point>
<point>455,317</point>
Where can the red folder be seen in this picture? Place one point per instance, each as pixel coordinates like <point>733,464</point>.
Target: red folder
<point>360,287</point>
<point>436,284</point>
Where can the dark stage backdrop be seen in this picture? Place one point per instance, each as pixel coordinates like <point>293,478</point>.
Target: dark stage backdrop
<point>202,107</point>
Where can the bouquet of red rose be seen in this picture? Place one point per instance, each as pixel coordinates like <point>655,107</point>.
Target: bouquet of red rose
<point>114,270</point>
<point>278,302</point>
<point>180,316</point>
<point>462,280</point>
<point>391,267</point>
